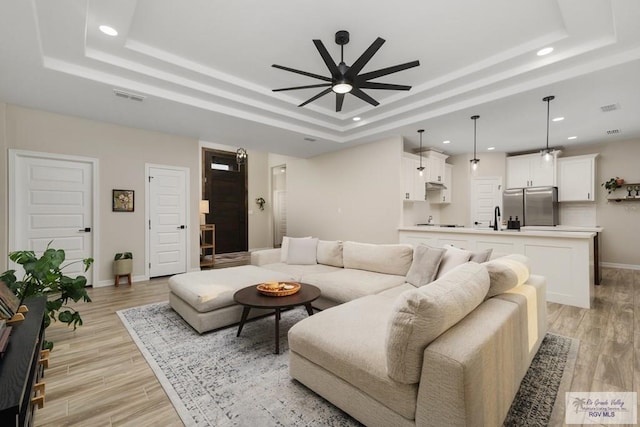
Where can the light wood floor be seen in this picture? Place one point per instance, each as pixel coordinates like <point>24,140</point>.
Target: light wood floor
<point>97,376</point>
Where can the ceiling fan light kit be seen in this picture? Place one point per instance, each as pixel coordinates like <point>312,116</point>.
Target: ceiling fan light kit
<point>347,79</point>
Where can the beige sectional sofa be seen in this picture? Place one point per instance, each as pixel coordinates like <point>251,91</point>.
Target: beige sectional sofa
<point>389,352</point>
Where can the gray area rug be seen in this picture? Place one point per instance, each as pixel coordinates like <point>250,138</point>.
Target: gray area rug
<point>218,379</point>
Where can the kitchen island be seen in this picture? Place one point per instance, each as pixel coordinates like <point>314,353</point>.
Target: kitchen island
<point>566,259</point>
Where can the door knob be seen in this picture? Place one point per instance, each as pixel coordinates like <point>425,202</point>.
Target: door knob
<point>182,227</point>
<point>85,230</point>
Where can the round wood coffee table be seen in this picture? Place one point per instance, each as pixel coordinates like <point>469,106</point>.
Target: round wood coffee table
<point>249,297</point>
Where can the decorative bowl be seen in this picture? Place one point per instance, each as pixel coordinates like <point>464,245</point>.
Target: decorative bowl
<point>278,289</point>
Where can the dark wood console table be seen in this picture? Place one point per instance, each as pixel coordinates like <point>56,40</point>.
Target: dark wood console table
<point>22,367</point>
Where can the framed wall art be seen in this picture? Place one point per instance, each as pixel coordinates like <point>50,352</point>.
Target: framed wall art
<point>123,201</point>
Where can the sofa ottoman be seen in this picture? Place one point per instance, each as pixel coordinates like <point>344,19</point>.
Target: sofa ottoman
<point>204,299</point>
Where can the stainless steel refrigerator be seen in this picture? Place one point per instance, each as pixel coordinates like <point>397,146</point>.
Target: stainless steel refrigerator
<point>513,204</point>
<point>532,206</point>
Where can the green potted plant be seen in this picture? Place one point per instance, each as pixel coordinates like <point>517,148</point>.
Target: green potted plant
<point>123,264</point>
<point>613,183</point>
<point>44,276</point>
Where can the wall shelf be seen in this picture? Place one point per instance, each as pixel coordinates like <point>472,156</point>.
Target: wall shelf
<point>624,193</point>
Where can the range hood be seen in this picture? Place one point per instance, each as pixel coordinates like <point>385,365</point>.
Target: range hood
<point>435,186</point>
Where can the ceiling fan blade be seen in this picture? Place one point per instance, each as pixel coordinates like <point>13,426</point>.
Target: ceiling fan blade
<point>385,86</point>
<point>389,70</point>
<point>366,98</point>
<point>323,93</point>
<point>302,87</point>
<point>339,101</point>
<point>304,73</point>
<point>364,58</point>
<point>328,60</point>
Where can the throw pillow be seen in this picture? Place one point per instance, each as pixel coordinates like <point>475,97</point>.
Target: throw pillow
<point>284,249</point>
<point>302,251</point>
<point>506,273</point>
<point>481,256</point>
<point>452,258</point>
<point>330,253</point>
<point>424,268</point>
<point>421,315</point>
<point>387,259</point>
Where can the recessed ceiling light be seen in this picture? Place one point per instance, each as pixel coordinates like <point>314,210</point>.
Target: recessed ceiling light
<point>356,119</point>
<point>573,137</point>
<point>557,119</point>
<point>110,31</point>
<point>446,142</point>
<point>491,148</point>
<point>545,51</point>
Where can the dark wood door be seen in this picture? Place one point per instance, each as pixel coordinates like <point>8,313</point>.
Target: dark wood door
<point>225,186</point>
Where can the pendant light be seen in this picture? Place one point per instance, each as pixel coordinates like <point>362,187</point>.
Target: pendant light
<point>546,152</point>
<point>475,161</point>
<point>421,168</point>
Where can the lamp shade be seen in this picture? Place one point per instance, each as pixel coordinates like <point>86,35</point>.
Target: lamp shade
<point>204,206</point>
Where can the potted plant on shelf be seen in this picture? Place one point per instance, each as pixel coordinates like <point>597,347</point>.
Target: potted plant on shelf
<point>123,264</point>
<point>44,276</point>
<point>613,183</point>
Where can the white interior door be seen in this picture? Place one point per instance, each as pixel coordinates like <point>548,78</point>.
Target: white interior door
<point>52,201</point>
<point>486,194</point>
<point>167,221</point>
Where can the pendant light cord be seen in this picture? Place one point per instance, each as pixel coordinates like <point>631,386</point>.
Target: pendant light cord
<point>548,100</point>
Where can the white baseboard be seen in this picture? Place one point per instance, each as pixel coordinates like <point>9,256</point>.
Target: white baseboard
<point>123,279</point>
<point>622,266</point>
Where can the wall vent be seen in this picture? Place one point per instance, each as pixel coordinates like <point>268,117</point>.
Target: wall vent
<point>614,132</point>
<point>609,107</point>
<point>128,95</point>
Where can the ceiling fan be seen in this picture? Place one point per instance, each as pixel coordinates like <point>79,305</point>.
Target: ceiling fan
<point>345,79</point>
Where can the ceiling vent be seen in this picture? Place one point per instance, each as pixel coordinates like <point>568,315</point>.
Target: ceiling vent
<point>128,95</point>
<point>614,132</point>
<point>609,107</point>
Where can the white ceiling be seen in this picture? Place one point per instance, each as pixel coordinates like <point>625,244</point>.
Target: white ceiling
<point>204,67</point>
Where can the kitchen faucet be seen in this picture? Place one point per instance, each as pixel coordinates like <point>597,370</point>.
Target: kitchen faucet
<point>496,218</point>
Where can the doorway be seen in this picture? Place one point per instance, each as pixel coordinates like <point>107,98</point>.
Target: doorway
<point>224,185</point>
<point>53,199</point>
<point>486,194</point>
<point>167,242</point>
<point>279,206</point>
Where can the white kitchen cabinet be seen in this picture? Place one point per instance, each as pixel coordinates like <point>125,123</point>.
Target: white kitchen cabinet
<point>443,196</point>
<point>413,185</point>
<point>527,171</point>
<point>435,166</point>
<point>576,178</point>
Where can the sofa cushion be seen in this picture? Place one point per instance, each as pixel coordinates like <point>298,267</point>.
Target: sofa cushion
<point>330,253</point>
<point>298,271</point>
<point>302,251</point>
<point>481,256</point>
<point>349,341</point>
<point>506,273</point>
<point>285,247</point>
<point>212,289</point>
<point>452,258</point>
<point>421,315</point>
<point>345,284</point>
<point>387,259</point>
<point>424,267</point>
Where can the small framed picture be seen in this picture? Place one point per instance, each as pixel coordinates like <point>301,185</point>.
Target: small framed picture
<point>123,201</point>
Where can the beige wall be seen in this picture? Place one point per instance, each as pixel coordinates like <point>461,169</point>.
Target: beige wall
<point>259,221</point>
<point>122,153</point>
<point>620,240</point>
<point>352,194</point>
<point>3,189</point>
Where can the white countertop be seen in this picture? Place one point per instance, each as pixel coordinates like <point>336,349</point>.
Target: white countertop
<point>570,228</point>
<point>551,232</point>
